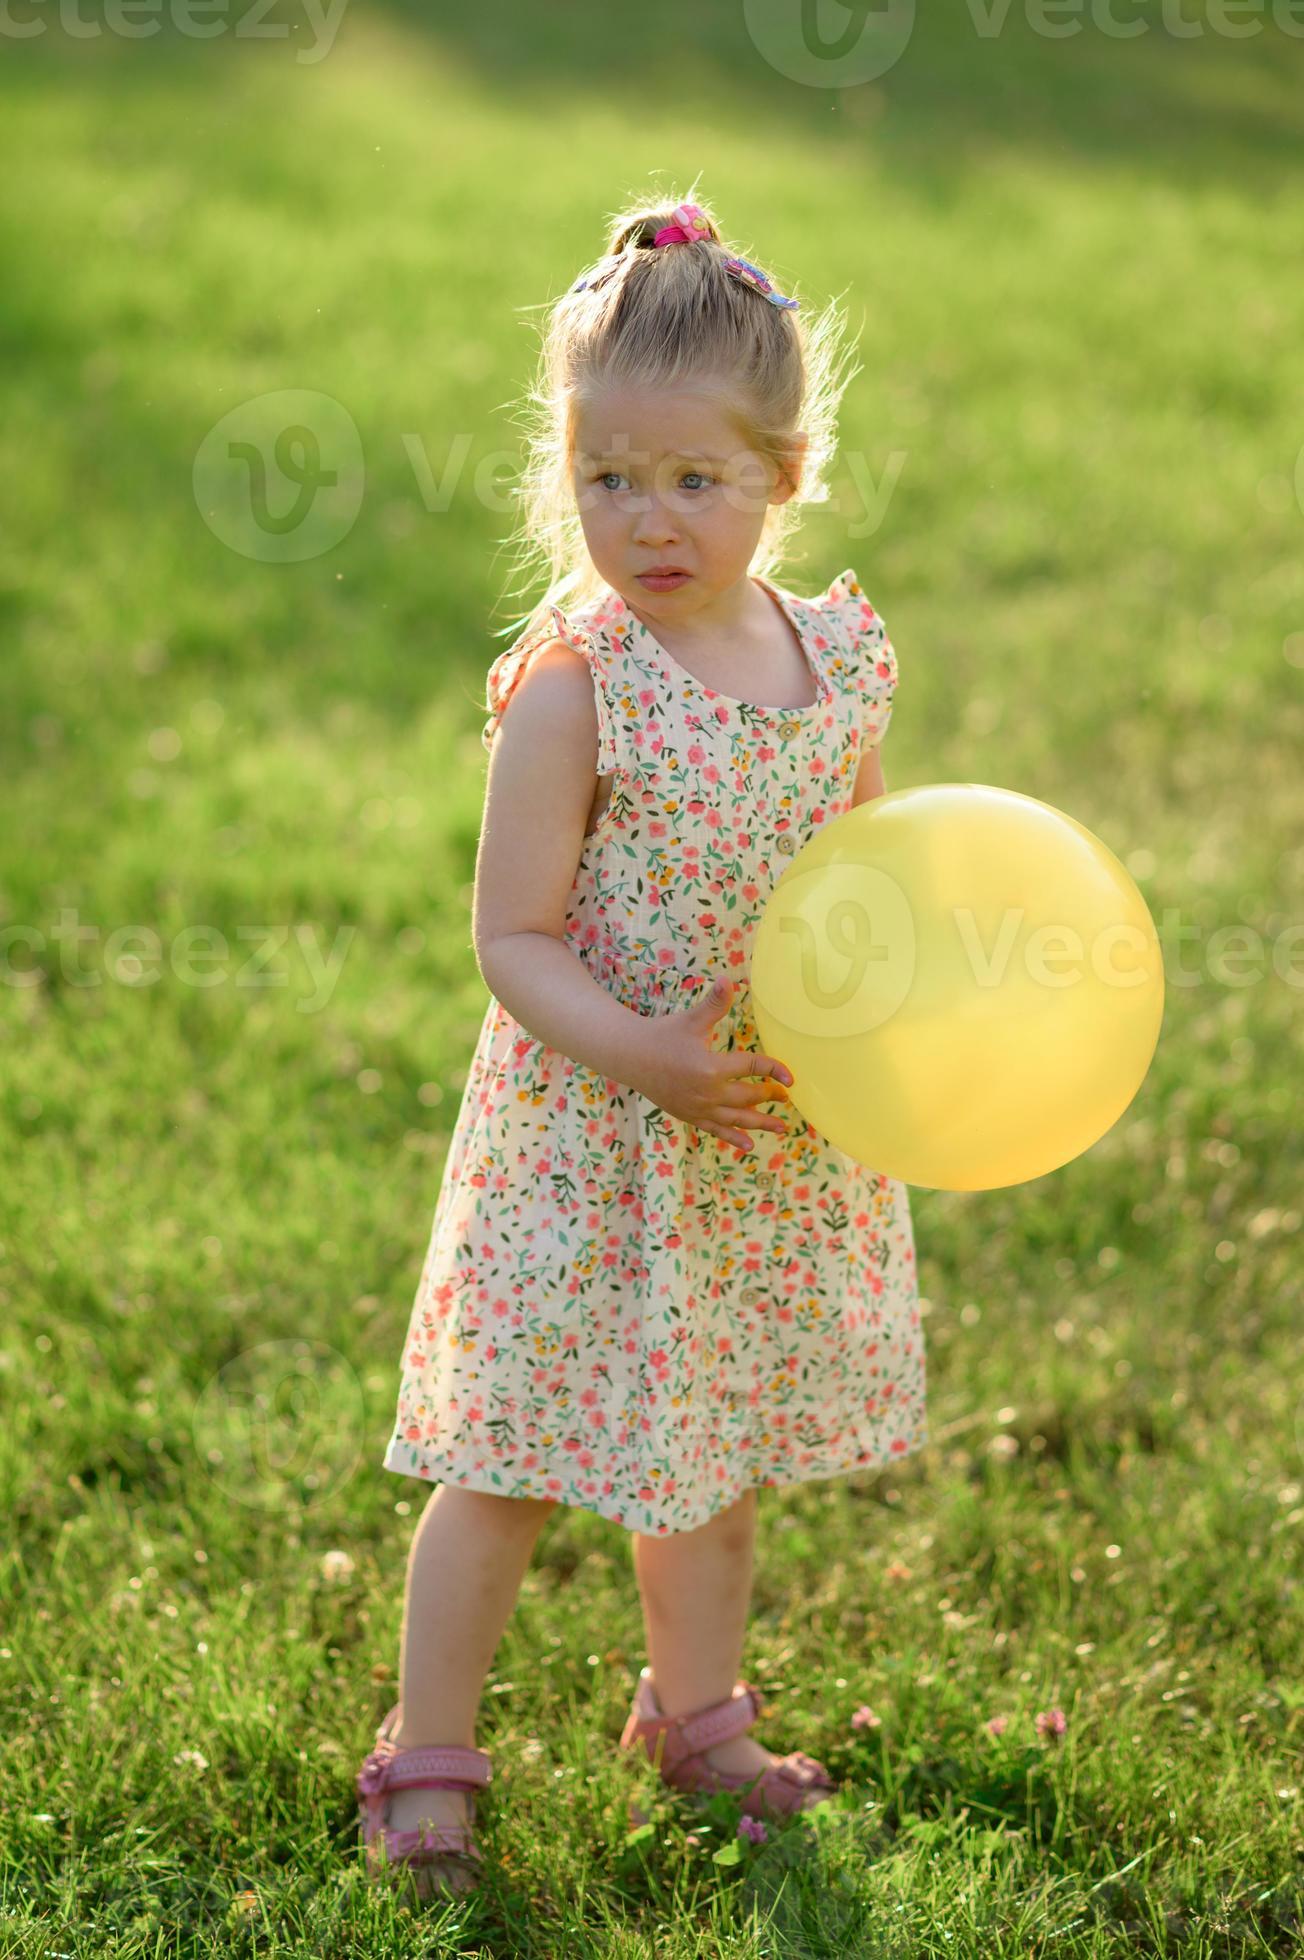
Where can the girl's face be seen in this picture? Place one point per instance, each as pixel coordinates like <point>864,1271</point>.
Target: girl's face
<point>665,479</point>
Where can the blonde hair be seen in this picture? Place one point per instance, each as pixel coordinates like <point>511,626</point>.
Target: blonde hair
<point>658,318</point>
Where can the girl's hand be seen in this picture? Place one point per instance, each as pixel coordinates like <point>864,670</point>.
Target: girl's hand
<point>714,1089</point>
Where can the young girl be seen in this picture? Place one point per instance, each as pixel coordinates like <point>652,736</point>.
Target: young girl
<point>648,1291</point>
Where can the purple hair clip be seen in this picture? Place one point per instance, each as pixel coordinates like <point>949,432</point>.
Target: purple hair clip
<point>751,275</point>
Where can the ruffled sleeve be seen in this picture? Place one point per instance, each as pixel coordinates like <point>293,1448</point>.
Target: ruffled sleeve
<point>868,654</point>
<point>585,637</point>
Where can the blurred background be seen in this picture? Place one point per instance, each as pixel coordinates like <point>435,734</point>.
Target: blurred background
<point>269,299</point>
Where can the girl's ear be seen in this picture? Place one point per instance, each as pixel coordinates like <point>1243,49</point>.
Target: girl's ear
<point>789,478</point>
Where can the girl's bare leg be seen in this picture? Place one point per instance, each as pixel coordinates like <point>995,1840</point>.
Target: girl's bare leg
<point>468,1556</point>
<point>696,1588</point>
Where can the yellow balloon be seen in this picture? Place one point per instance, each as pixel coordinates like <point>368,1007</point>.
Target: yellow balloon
<point>966,984</point>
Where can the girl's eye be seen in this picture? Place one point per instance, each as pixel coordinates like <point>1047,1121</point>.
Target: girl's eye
<point>699,474</point>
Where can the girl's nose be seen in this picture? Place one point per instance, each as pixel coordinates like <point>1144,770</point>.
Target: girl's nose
<point>655,525</point>
<point>655,522</point>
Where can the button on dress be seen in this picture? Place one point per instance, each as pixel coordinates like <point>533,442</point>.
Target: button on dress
<point>616,1310</point>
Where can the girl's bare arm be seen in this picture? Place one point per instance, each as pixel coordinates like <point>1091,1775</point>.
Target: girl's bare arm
<point>542,777</point>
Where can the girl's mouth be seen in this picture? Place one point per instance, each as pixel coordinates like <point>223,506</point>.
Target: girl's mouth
<point>663,581</point>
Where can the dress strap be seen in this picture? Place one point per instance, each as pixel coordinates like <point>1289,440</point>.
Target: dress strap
<point>863,655</point>
<point>587,635</point>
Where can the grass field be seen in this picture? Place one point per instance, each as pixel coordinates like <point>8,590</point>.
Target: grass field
<point>1072,264</point>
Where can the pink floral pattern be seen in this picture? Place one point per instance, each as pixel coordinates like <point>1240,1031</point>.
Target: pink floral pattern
<point>616,1310</point>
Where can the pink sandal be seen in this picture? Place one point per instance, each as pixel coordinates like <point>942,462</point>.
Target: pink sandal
<point>676,1746</point>
<point>440,1767</point>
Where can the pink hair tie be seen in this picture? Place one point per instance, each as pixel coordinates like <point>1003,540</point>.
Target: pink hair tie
<point>690,225</point>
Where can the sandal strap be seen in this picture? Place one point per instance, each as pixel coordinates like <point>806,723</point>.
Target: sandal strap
<point>440,1759</point>
<point>472,1778</point>
<point>701,1728</point>
<point>446,1766</point>
<point>424,1847</point>
<point>716,1724</point>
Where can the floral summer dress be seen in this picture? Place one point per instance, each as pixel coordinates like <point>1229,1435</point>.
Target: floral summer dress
<point>617,1310</point>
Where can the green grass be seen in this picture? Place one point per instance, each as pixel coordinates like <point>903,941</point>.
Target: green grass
<point>1072,263</point>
